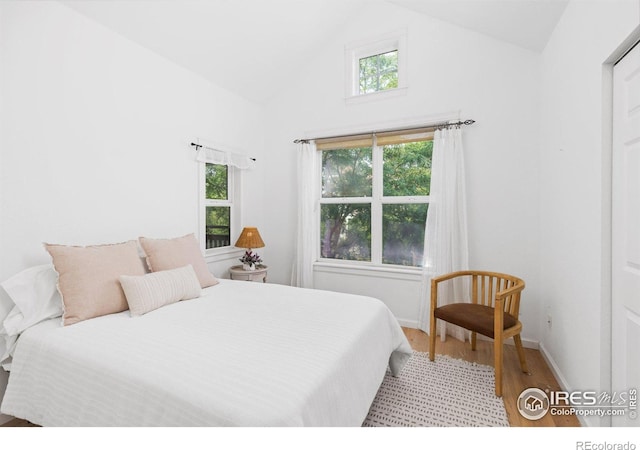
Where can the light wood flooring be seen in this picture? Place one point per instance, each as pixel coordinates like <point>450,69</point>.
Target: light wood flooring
<point>514,380</point>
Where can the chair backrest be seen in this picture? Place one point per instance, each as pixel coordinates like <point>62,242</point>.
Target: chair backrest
<point>486,287</point>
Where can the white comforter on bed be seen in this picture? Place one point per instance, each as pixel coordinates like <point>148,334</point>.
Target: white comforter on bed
<point>243,354</point>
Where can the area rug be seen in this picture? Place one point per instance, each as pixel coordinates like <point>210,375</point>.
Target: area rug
<point>446,393</point>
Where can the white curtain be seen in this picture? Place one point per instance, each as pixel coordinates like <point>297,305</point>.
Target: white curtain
<point>213,156</point>
<point>446,247</point>
<point>307,242</point>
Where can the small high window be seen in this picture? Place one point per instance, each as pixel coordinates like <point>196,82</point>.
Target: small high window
<point>376,68</point>
<point>379,72</point>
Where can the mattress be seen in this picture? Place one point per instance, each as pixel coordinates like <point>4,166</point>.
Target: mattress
<point>242,354</point>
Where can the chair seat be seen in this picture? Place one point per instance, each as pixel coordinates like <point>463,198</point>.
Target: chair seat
<point>478,318</point>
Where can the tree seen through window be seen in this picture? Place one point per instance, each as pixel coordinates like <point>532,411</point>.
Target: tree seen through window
<point>348,202</point>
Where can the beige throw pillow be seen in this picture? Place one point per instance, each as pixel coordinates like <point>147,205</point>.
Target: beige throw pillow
<point>154,290</point>
<point>166,254</point>
<point>88,278</point>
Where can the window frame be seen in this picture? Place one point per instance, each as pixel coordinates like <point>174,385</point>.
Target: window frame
<point>376,200</point>
<point>232,201</point>
<point>394,41</point>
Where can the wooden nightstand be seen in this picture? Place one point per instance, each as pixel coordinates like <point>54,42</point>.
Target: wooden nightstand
<point>260,274</point>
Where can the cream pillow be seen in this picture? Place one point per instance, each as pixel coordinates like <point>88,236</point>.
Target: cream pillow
<point>154,290</point>
<point>166,254</point>
<point>88,278</point>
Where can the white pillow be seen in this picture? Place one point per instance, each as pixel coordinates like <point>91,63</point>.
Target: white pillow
<point>154,290</point>
<point>36,297</point>
<point>8,341</point>
<point>35,293</point>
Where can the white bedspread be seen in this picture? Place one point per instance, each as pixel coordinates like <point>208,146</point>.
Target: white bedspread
<point>243,354</point>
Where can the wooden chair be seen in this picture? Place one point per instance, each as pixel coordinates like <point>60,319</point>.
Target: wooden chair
<point>493,312</point>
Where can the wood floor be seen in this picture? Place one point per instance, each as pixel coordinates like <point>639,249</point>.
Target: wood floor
<point>514,380</point>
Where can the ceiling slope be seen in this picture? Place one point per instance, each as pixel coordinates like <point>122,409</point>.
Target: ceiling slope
<point>254,47</point>
<point>526,23</point>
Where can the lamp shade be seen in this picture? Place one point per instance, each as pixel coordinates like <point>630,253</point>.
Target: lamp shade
<point>250,238</point>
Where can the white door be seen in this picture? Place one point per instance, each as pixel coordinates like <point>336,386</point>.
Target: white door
<point>626,231</point>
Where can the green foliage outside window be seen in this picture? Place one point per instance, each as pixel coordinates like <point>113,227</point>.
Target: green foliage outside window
<point>347,173</point>
<point>346,231</point>
<point>407,168</point>
<point>378,72</point>
<point>218,218</point>
<point>345,228</point>
<point>216,177</point>
<point>403,233</point>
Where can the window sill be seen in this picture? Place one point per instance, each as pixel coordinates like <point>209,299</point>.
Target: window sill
<point>222,254</point>
<point>374,96</point>
<point>368,270</point>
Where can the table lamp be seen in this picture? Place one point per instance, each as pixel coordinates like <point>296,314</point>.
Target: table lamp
<point>250,238</point>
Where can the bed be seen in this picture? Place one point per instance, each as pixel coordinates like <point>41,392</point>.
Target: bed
<point>241,354</point>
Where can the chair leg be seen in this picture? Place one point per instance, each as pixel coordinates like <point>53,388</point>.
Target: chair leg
<point>432,338</point>
<point>520,349</point>
<point>473,340</point>
<point>497,363</point>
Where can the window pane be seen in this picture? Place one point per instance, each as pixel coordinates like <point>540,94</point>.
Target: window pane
<point>407,168</point>
<point>346,173</point>
<point>345,231</point>
<point>218,226</point>
<point>367,85</point>
<point>216,181</point>
<point>403,234</point>
<point>368,74</point>
<point>388,81</point>
<point>378,72</point>
<point>388,61</point>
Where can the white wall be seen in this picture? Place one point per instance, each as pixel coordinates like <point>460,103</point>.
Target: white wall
<point>449,69</point>
<point>573,190</point>
<point>95,138</point>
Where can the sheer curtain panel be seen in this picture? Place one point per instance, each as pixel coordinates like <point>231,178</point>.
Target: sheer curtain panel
<point>307,240</point>
<point>446,246</point>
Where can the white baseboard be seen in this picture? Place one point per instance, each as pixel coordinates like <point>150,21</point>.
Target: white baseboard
<point>526,343</point>
<point>408,323</point>
<point>562,381</point>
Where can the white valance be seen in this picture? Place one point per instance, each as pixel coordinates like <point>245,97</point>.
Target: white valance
<point>214,156</point>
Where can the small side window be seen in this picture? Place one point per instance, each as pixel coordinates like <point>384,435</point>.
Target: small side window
<point>217,204</point>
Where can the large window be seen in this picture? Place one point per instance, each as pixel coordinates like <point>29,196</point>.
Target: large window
<point>218,205</point>
<point>375,197</point>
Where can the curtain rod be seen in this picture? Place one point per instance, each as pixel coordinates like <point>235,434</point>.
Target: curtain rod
<point>197,146</point>
<point>434,127</point>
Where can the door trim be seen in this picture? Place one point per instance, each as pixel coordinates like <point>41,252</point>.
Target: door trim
<point>606,337</point>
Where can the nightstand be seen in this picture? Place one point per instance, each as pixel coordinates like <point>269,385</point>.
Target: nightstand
<point>260,274</point>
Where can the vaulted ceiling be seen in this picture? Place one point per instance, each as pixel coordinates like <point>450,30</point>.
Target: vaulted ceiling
<point>250,46</point>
